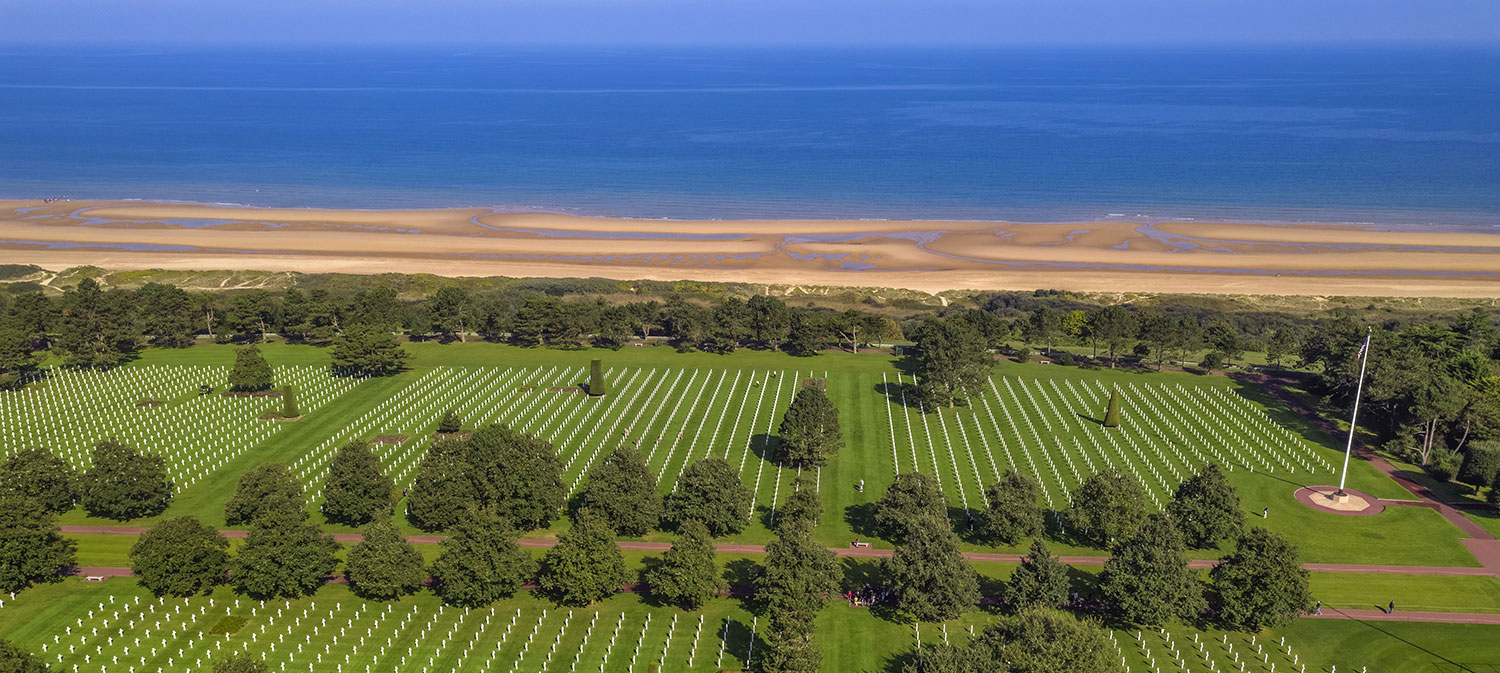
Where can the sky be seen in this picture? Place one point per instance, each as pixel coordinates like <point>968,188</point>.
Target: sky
<point>748,22</point>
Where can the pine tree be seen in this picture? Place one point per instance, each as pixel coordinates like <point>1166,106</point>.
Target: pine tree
<point>443,489</point>
<point>355,491</point>
<point>480,563</point>
<point>40,474</point>
<point>622,491</point>
<point>1112,413</point>
<point>1148,578</point>
<point>911,498</point>
<point>809,432</point>
<point>123,484</point>
<point>384,566</point>
<point>369,350</point>
<point>251,372</point>
<point>929,575</point>
<point>266,487</point>
<point>686,574</point>
<point>32,548</point>
<point>799,576</point>
<point>1012,513</point>
<point>1106,507</point>
<point>1262,583</point>
<point>586,565</point>
<point>1206,508</point>
<point>16,660</point>
<point>289,408</point>
<point>180,557</point>
<point>450,422</point>
<point>517,475</point>
<point>710,491</point>
<point>283,557</point>
<point>803,505</point>
<point>17,361</point>
<point>596,379</point>
<point>1040,581</point>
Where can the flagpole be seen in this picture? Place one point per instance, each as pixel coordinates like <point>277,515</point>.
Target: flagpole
<point>1360,388</point>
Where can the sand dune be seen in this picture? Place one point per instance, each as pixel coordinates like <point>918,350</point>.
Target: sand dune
<point>932,256</point>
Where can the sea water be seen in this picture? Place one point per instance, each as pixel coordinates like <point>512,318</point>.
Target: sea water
<point>1396,136</point>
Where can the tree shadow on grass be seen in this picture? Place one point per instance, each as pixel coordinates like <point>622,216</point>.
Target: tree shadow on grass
<point>740,575</point>
<point>899,394</point>
<point>861,519</point>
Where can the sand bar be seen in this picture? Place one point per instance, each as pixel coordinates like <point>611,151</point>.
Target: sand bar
<point>931,256</point>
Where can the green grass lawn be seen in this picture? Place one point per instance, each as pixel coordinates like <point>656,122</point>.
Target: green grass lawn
<point>674,397</point>
<point>1419,593</point>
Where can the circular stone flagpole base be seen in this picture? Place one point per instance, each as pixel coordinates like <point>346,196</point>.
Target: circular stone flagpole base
<point>1348,502</point>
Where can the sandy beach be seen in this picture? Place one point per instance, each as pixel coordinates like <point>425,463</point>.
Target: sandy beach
<point>931,256</point>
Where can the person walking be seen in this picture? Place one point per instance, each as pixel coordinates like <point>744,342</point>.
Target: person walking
<point>1392,609</point>
<point>1265,513</point>
<point>1319,609</point>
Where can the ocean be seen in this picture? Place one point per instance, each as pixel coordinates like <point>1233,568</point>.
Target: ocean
<point>1396,136</point>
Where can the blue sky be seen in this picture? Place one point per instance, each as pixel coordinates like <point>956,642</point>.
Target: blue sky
<point>747,22</point>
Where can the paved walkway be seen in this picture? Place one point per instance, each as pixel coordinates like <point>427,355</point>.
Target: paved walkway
<point>1479,541</point>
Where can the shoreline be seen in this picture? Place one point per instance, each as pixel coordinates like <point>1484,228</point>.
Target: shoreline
<point>926,255</point>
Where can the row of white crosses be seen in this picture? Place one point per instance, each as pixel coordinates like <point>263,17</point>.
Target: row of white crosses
<point>1154,445</point>
<point>73,410</point>
<point>1204,653</point>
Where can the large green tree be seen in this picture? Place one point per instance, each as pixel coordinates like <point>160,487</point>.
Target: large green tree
<point>1262,583</point>
<point>911,498</point>
<point>928,575</point>
<point>586,565</point>
<point>180,557</point>
<point>800,575</point>
<point>1013,513</point>
<point>266,487</point>
<point>123,484</point>
<point>283,557</point>
<point>710,491</point>
<point>40,474</point>
<point>686,574</point>
<point>622,491</point>
<point>13,659</point>
<point>167,314</point>
<point>517,475</point>
<point>1041,580</point>
<point>384,566</point>
<point>952,361</point>
<point>368,349</point>
<point>803,505</point>
<point>32,548</point>
<point>1206,508</point>
<point>1114,326</point>
<point>355,492</point>
<point>1148,578</point>
<point>1040,640</point>
<point>791,646</point>
<point>18,360</point>
<point>1108,506</point>
<point>809,432</point>
<point>97,328</point>
<point>443,489</point>
<point>480,562</point>
<point>251,372</point>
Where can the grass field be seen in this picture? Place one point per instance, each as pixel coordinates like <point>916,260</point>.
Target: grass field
<point>335,631</point>
<point>1039,419</point>
<point>682,407</point>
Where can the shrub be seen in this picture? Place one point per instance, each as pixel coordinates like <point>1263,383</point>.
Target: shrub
<point>450,422</point>
<point>1442,465</point>
<point>1481,463</point>
<point>1213,360</point>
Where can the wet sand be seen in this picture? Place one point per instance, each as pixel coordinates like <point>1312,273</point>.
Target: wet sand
<point>932,256</point>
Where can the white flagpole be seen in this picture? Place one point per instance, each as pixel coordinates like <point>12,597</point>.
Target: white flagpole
<point>1360,388</point>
